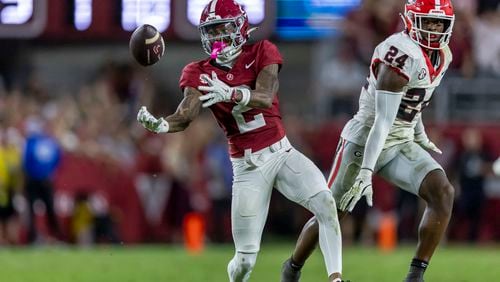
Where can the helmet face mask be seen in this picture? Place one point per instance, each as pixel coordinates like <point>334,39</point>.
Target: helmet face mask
<point>421,15</point>
<point>219,32</point>
<point>227,31</point>
<point>433,28</point>
<point>224,21</point>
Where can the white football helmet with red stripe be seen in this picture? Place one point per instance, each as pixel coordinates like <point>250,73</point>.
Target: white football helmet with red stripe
<point>417,10</point>
<point>224,21</point>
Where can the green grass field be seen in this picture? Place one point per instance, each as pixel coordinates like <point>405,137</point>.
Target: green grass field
<point>166,263</point>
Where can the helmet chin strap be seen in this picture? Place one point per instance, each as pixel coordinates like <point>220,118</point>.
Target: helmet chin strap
<point>432,45</point>
<point>427,44</point>
<point>226,59</point>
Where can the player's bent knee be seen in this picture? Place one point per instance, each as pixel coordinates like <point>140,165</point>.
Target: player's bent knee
<point>447,195</point>
<point>437,189</point>
<point>322,205</point>
<point>441,196</point>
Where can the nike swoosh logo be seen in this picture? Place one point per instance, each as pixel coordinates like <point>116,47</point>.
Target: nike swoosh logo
<point>247,66</point>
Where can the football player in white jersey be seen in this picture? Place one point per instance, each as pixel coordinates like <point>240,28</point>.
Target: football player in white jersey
<point>387,136</point>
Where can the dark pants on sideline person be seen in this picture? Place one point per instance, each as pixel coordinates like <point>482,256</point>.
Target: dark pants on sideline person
<point>42,190</point>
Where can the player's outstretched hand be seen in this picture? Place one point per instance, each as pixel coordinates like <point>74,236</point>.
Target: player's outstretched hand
<point>151,123</point>
<point>362,188</point>
<point>217,90</point>
<point>428,145</point>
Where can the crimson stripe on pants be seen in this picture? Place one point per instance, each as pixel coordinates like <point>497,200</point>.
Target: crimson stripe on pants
<point>336,164</point>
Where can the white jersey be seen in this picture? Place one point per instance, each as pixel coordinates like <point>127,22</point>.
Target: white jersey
<point>409,60</point>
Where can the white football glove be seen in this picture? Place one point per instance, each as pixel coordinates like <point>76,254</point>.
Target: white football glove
<point>150,122</point>
<point>362,187</point>
<point>424,142</point>
<point>217,90</point>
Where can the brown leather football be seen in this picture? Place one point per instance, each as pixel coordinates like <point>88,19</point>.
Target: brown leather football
<point>147,45</point>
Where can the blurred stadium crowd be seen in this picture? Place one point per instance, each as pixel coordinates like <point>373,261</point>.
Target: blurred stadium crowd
<point>76,167</point>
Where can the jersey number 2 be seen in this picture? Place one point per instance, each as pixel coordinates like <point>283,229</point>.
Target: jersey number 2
<point>411,104</point>
<point>244,126</point>
<point>390,57</point>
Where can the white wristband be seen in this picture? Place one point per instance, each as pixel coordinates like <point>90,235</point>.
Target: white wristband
<point>245,96</point>
<point>365,172</point>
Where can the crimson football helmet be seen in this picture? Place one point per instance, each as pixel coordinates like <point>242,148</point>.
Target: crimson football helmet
<point>417,10</point>
<point>224,21</point>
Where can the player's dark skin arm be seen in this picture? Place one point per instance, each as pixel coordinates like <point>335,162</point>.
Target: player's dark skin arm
<point>266,87</point>
<point>388,80</point>
<point>186,112</point>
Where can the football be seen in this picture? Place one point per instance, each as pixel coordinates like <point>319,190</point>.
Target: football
<point>147,45</point>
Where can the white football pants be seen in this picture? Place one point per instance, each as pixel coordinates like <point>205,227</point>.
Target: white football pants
<point>299,180</point>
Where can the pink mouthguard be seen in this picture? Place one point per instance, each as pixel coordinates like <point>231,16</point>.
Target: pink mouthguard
<point>217,47</point>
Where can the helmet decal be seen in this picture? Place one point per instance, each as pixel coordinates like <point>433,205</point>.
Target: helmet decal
<point>212,7</point>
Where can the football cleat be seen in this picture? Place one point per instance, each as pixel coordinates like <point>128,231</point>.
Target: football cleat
<point>288,274</point>
<point>414,279</point>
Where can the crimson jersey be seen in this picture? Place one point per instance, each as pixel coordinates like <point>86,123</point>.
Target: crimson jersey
<point>245,128</point>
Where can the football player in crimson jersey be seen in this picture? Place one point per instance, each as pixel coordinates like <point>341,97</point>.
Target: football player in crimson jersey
<point>239,84</point>
<point>387,135</point>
